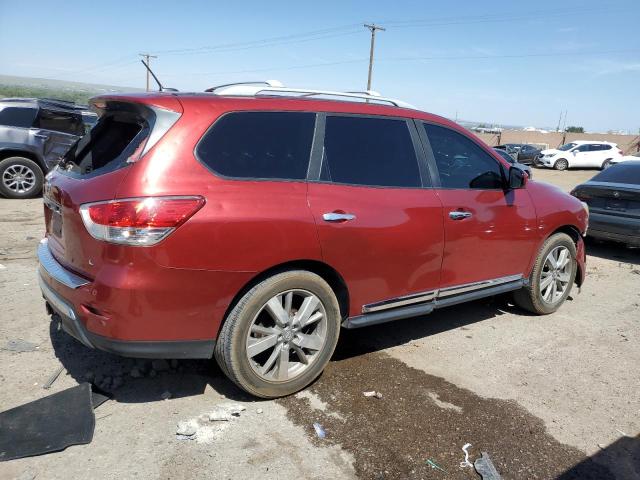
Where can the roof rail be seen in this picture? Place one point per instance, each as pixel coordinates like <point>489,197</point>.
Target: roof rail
<point>275,88</point>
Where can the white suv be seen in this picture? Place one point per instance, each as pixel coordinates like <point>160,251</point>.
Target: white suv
<point>580,153</point>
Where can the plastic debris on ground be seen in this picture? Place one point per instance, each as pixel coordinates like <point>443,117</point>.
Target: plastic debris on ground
<point>434,465</point>
<point>209,426</point>
<point>319,430</point>
<point>373,393</point>
<point>54,376</point>
<point>466,463</point>
<point>485,468</point>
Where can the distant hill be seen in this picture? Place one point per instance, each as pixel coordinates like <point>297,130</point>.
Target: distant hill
<point>42,87</point>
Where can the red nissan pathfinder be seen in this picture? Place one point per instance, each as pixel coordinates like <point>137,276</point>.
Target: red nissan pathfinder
<point>251,222</point>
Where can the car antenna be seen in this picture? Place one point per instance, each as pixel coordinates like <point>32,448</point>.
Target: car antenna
<point>160,87</point>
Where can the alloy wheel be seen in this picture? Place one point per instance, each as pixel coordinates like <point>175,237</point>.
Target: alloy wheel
<point>287,335</point>
<point>19,178</point>
<point>555,274</point>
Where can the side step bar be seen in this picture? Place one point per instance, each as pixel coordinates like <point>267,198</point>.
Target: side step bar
<point>400,313</point>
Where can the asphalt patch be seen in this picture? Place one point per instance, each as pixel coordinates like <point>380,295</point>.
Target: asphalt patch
<point>421,417</point>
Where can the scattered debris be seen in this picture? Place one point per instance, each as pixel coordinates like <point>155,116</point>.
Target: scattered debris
<point>259,411</point>
<point>166,395</point>
<point>49,424</point>
<point>219,415</point>
<point>636,271</point>
<point>372,393</point>
<point>319,430</point>
<point>20,346</point>
<point>466,462</point>
<point>186,429</point>
<point>434,465</point>
<point>485,468</point>
<point>54,376</point>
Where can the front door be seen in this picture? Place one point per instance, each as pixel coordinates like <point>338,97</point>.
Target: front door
<point>378,220</point>
<point>490,232</point>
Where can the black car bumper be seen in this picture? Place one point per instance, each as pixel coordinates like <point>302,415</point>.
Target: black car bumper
<point>615,228</point>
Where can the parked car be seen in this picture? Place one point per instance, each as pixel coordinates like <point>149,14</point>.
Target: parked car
<point>34,134</point>
<point>581,153</point>
<point>510,158</point>
<point>613,196</point>
<point>252,222</point>
<point>524,153</point>
<point>624,158</point>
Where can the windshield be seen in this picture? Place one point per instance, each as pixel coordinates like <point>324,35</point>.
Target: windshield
<point>567,146</point>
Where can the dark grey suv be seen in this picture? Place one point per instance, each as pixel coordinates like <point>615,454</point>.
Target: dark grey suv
<point>34,134</point>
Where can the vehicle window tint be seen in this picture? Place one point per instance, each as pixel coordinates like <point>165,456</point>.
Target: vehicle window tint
<point>64,122</point>
<point>259,145</point>
<point>461,162</point>
<point>369,151</point>
<point>625,172</point>
<point>605,147</point>
<point>583,148</point>
<point>17,117</point>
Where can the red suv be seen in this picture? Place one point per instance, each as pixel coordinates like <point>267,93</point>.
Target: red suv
<point>251,223</point>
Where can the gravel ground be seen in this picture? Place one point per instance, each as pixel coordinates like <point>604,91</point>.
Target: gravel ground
<point>546,397</point>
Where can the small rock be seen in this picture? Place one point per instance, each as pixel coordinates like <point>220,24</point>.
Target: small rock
<point>186,429</point>
<point>219,417</point>
<point>29,238</point>
<point>160,365</point>
<point>165,395</point>
<point>372,393</point>
<point>259,411</point>
<point>135,373</point>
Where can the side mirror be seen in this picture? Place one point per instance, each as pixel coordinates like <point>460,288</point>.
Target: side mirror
<point>517,178</point>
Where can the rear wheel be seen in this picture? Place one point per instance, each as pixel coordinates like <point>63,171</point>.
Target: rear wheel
<point>552,277</point>
<point>20,178</point>
<point>281,334</point>
<point>606,163</point>
<point>561,164</point>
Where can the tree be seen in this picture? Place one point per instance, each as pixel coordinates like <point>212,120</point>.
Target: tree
<point>574,130</point>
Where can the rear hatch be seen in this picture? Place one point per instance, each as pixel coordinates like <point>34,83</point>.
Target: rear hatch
<point>93,169</point>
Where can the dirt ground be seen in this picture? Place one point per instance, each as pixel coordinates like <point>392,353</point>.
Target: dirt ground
<point>546,397</point>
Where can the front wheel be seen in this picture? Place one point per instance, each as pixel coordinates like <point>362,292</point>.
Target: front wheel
<point>552,277</point>
<point>561,164</point>
<point>280,335</point>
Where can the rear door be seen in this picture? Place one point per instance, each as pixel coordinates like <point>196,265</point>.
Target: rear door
<point>378,219</point>
<point>490,232</point>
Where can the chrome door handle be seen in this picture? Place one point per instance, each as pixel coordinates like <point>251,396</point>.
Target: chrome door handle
<point>40,135</point>
<point>459,215</point>
<point>338,217</point>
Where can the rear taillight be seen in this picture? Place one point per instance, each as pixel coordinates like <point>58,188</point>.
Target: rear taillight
<point>138,221</point>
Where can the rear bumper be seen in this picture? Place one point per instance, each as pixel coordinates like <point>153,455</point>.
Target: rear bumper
<point>614,228</point>
<point>60,309</point>
<point>150,312</point>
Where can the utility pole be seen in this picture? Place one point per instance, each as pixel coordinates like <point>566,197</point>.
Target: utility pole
<point>148,58</point>
<point>372,27</point>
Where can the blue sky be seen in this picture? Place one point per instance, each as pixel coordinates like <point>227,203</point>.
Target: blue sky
<point>501,61</point>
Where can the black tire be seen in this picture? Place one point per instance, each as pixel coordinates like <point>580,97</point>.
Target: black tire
<point>606,164</point>
<point>561,164</point>
<point>230,351</point>
<point>530,297</point>
<point>34,172</point>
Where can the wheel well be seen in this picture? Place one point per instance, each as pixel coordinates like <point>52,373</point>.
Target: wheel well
<point>328,274</point>
<point>21,153</point>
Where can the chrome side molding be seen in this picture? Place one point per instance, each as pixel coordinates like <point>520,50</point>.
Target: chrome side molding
<point>434,295</point>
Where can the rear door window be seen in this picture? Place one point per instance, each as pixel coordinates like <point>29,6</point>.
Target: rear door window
<point>461,162</point>
<point>58,121</point>
<point>259,145</point>
<point>17,117</point>
<point>369,151</point>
